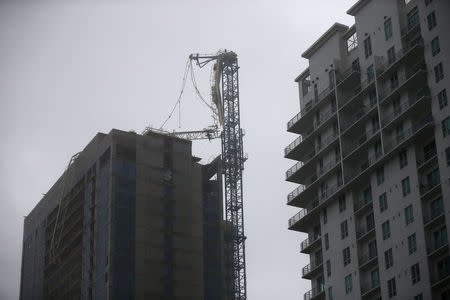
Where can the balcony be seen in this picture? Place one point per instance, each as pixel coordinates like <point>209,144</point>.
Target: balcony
<point>412,51</point>
<point>358,116</point>
<point>292,150</point>
<point>348,76</point>
<point>362,206</point>
<point>359,142</point>
<point>427,190</point>
<point>314,294</point>
<point>427,159</point>
<point>299,120</point>
<point>309,270</point>
<point>435,218</point>
<point>418,101</point>
<point>359,92</point>
<point>362,235</point>
<point>437,248</point>
<point>310,243</point>
<point>366,260</point>
<point>367,291</point>
<point>412,27</point>
<point>416,75</point>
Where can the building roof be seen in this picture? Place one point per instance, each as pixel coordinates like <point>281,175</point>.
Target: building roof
<point>326,36</point>
<point>356,7</point>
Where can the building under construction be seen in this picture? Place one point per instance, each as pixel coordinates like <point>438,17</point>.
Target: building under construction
<point>133,217</point>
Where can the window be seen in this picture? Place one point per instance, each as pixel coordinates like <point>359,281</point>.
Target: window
<point>409,214</point>
<point>367,47</point>
<point>316,92</point>
<point>397,106</point>
<point>328,268</point>
<point>318,257</point>
<point>418,297</point>
<point>323,190</point>
<point>388,29</point>
<point>431,20</point>
<point>383,202</point>
<point>433,178</point>
<point>435,46</point>
<point>370,222</point>
<point>373,97</point>
<point>388,258</point>
<point>394,81</point>
<point>333,105</point>
<point>375,124</point>
<point>372,249</point>
<point>429,150</point>
<point>370,73</point>
<point>352,42</point>
<point>380,175</point>
<point>355,65</point>
<point>325,215</point>
<point>342,203</point>
<point>442,96</point>
<point>412,245</point>
<point>335,128</point>
<point>348,284</point>
<point>330,293</point>
<point>413,18</point>
<point>386,230</point>
<point>400,134</point>
<point>403,159</point>
<point>391,55</point>
<point>339,177</point>
<point>331,78</point>
<point>337,154</point>
<point>367,195</point>
<point>446,127</point>
<point>392,289</point>
<point>378,149</point>
<point>415,273</point>
<point>405,186</point>
<point>447,155</point>
<point>375,278</point>
<point>327,242</point>
<point>440,237</point>
<point>344,229</point>
<point>438,72</point>
<point>346,256</point>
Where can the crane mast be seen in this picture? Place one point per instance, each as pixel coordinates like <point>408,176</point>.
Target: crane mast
<point>226,71</point>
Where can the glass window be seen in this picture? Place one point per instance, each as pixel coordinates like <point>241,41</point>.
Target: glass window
<point>383,202</point>
<point>438,72</point>
<point>388,29</point>
<point>346,256</point>
<point>372,249</point>
<point>447,155</point>
<point>370,222</point>
<point>435,46</point>
<point>388,258</point>
<point>433,178</point>
<point>412,245</point>
<point>373,97</point>
<point>370,73</point>
<point>391,55</point>
<point>443,268</point>
<point>344,229</point>
<point>367,47</point>
<point>375,278</point>
<point>342,203</point>
<point>327,242</point>
<point>380,175</point>
<point>392,289</point>
<point>386,229</point>
<point>328,268</point>
<point>415,273</point>
<point>405,186</point>
<point>413,18</point>
<point>403,159</point>
<point>446,127</point>
<point>337,154</point>
<point>409,214</point>
<point>348,284</point>
<point>378,149</point>
<point>330,293</point>
<point>400,134</point>
<point>352,42</point>
<point>367,195</point>
<point>397,106</point>
<point>431,21</point>
<point>394,81</point>
<point>325,215</point>
<point>331,78</point>
<point>442,97</point>
<point>440,237</point>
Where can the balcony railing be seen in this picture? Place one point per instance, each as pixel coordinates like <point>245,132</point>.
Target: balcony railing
<point>407,133</point>
<point>314,292</point>
<point>359,115</point>
<point>310,105</point>
<point>428,187</point>
<point>357,91</point>
<point>357,142</point>
<point>311,267</point>
<point>316,124</point>
<point>411,26</point>
<point>361,203</point>
<point>425,92</point>
<point>400,54</point>
<point>346,74</point>
<point>367,289</point>
<point>433,216</point>
<point>309,241</point>
<point>369,229</point>
<point>402,78</point>
<point>437,245</point>
<point>367,257</point>
<point>427,156</point>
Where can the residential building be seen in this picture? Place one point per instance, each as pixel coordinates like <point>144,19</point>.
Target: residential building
<point>373,154</point>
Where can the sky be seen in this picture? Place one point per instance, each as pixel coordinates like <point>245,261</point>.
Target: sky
<point>70,69</point>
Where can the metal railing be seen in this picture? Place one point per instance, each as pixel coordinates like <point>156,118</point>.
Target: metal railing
<point>433,216</point>
<point>310,105</point>
<point>426,157</point>
<point>402,78</point>
<point>369,229</point>
<point>357,142</point>
<point>359,115</point>
<point>411,25</point>
<point>357,91</point>
<point>425,92</point>
<point>436,246</point>
<point>314,292</point>
<point>400,54</point>
<point>366,257</point>
<point>428,187</point>
<point>373,285</point>
<point>311,267</point>
<point>361,203</point>
<point>309,241</point>
<point>346,74</point>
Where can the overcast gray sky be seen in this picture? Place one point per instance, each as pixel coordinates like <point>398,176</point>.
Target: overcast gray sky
<point>71,69</point>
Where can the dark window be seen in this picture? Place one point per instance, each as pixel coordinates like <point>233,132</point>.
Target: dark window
<point>344,229</point>
<point>438,72</point>
<point>403,159</point>
<point>327,242</point>
<point>412,244</point>
<point>370,73</point>
<point>397,106</point>
<point>325,216</point>
<point>406,189</point>
<point>373,97</point>
<point>348,284</point>
<point>447,155</point>
<point>367,195</point>
<point>409,214</point>
<point>415,273</point>
<point>380,175</point>
<point>386,229</point>
<point>370,222</point>
<point>342,203</point>
<point>388,29</point>
<point>372,249</point>
<point>433,178</point>
<point>328,268</point>
<point>440,237</point>
<point>378,149</point>
<point>400,134</point>
<point>388,258</point>
<point>394,81</point>
<point>446,127</point>
<point>383,202</point>
<point>442,97</point>
<point>331,78</point>
<point>330,293</point>
<point>391,55</point>
<point>392,289</point>
<point>375,278</point>
<point>413,18</point>
<point>435,46</point>
<point>367,47</point>
<point>431,20</point>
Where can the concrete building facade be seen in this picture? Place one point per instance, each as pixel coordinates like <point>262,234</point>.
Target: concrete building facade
<point>374,154</point>
<point>133,217</point>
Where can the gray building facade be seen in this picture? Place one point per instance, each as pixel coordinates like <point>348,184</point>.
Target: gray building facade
<point>133,217</point>
<point>373,154</point>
